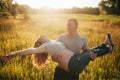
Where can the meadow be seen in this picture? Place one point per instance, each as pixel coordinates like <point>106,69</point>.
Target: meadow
<point>17,34</point>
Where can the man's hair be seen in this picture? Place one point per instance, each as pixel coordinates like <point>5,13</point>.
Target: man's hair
<point>72,19</point>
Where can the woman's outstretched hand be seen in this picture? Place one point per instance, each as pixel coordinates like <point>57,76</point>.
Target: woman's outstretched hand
<point>4,60</point>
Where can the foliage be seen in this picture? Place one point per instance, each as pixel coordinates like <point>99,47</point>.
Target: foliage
<point>74,10</point>
<point>13,9</point>
<point>110,7</point>
<point>23,33</point>
<point>5,14</point>
<point>6,6</point>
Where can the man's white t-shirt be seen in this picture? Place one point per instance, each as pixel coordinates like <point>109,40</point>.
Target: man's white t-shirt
<point>75,44</point>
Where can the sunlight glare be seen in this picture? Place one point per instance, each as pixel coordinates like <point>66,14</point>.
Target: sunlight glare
<point>59,3</point>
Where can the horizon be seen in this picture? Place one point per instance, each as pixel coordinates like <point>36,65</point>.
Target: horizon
<point>58,4</point>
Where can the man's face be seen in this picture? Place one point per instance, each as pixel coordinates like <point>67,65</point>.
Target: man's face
<point>71,26</point>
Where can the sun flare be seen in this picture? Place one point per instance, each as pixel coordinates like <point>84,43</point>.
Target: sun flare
<point>59,3</point>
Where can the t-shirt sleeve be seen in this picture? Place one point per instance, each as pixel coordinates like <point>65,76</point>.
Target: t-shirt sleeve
<point>46,46</point>
<point>85,44</point>
<point>59,38</point>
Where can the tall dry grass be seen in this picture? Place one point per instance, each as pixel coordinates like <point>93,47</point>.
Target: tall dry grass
<point>20,34</point>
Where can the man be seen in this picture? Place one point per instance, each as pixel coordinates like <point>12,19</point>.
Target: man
<point>74,42</point>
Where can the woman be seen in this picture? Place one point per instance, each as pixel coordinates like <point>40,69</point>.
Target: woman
<point>64,57</point>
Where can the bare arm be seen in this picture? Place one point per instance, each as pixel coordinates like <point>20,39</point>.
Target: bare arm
<point>84,48</point>
<point>6,58</point>
<point>28,51</point>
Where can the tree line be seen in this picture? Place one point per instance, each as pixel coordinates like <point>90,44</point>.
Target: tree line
<point>86,10</point>
<point>109,7</point>
<point>8,8</point>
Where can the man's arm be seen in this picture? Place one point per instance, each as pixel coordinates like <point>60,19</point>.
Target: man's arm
<point>84,50</point>
<point>84,47</point>
<point>59,38</point>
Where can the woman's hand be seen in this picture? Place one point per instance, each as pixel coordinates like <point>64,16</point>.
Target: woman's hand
<point>4,60</point>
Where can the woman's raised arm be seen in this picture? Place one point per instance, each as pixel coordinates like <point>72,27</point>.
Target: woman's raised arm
<point>6,58</point>
<point>28,51</point>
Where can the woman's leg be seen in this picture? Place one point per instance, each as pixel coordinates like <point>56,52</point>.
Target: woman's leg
<point>79,62</point>
<point>100,50</point>
<point>104,48</point>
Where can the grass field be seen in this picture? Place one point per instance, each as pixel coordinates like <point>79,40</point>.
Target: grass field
<point>20,34</point>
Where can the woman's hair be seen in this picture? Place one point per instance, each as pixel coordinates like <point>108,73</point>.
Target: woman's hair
<point>39,58</point>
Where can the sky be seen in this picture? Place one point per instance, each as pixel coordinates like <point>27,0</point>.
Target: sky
<point>57,4</point>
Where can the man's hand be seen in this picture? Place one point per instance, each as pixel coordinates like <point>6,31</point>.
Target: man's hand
<point>93,56</point>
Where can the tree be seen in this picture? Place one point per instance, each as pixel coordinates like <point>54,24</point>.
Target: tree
<point>3,5</point>
<point>6,5</point>
<point>5,8</point>
<point>15,9</point>
<point>24,9</point>
<point>109,7</point>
